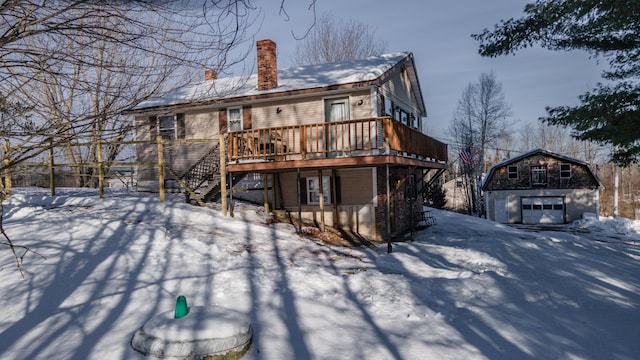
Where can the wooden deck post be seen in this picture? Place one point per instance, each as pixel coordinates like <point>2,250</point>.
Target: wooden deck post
<point>321,191</point>
<point>303,142</point>
<point>299,201</point>
<point>100,169</point>
<point>334,176</point>
<point>7,171</point>
<point>223,175</point>
<point>265,192</point>
<point>160,168</point>
<point>388,205</point>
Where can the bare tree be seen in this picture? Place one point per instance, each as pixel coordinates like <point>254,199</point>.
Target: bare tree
<point>57,58</point>
<point>557,139</point>
<point>333,40</point>
<point>69,68</point>
<point>480,121</point>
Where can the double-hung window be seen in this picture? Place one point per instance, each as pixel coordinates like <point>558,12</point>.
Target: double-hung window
<point>565,171</point>
<point>234,116</point>
<point>167,126</point>
<point>513,172</point>
<point>313,190</point>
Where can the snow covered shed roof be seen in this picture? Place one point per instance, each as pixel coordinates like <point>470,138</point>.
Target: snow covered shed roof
<point>362,72</point>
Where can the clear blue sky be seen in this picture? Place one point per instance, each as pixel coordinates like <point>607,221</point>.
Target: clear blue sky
<point>438,33</point>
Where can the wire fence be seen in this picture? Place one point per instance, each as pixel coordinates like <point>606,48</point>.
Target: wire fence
<point>88,164</point>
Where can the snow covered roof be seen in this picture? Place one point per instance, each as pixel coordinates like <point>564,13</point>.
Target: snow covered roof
<point>296,78</point>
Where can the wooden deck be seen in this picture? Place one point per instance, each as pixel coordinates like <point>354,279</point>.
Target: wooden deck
<point>361,142</point>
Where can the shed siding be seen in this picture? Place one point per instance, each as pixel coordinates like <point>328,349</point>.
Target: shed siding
<point>581,176</point>
<point>577,202</point>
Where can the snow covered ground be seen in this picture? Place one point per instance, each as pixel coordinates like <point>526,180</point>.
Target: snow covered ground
<point>467,288</point>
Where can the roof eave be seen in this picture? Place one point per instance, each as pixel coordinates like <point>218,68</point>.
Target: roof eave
<point>256,98</point>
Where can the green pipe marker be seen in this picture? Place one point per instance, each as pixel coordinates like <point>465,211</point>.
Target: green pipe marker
<point>181,307</point>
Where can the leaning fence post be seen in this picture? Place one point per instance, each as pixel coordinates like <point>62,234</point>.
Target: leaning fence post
<point>160,168</point>
<point>52,174</point>
<point>7,170</point>
<point>100,169</point>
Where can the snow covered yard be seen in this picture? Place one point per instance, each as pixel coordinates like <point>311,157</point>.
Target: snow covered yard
<point>466,289</point>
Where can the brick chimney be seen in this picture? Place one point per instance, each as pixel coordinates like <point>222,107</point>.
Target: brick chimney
<point>210,74</point>
<point>267,65</point>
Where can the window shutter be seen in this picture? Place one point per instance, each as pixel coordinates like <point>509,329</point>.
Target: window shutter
<point>338,195</point>
<point>303,190</point>
<point>153,127</point>
<point>223,126</point>
<point>246,117</point>
<point>180,126</point>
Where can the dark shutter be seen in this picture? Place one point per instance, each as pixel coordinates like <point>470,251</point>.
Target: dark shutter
<point>338,195</point>
<point>153,127</point>
<point>303,190</point>
<point>180,126</point>
<point>222,121</point>
<point>246,117</point>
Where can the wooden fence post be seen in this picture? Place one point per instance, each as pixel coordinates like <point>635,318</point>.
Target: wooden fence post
<point>100,169</point>
<point>7,170</point>
<point>52,173</point>
<point>160,168</point>
<point>223,175</point>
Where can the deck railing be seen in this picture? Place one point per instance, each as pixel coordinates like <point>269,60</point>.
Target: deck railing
<point>341,138</point>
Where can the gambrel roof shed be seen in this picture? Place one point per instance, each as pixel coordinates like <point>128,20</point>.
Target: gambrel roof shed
<point>490,183</point>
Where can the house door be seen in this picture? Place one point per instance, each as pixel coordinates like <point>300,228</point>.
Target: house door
<point>336,110</point>
<point>501,211</point>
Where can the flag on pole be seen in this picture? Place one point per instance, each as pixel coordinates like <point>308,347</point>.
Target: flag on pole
<point>466,157</point>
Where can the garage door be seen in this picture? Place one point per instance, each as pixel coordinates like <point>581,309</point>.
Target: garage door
<point>542,210</point>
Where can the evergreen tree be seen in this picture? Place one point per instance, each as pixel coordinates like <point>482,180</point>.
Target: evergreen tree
<point>610,29</point>
<point>435,196</point>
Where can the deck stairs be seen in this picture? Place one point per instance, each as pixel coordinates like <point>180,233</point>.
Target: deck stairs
<point>203,178</point>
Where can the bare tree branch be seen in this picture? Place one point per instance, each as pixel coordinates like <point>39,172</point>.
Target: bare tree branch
<point>333,40</point>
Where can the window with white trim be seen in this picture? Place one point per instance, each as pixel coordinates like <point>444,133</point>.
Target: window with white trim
<point>513,172</point>
<point>539,175</point>
<point>313,190</point>
<point>388,107</point>
<point>414,121</point>
<point>234,118</point>
<point>565,171</point>
<point>167,126</point>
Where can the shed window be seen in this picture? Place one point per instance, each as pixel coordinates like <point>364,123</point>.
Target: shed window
<point>565,171</point>
<point>234,116</point>
<point>539,175</point>
<point>513,172</point>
